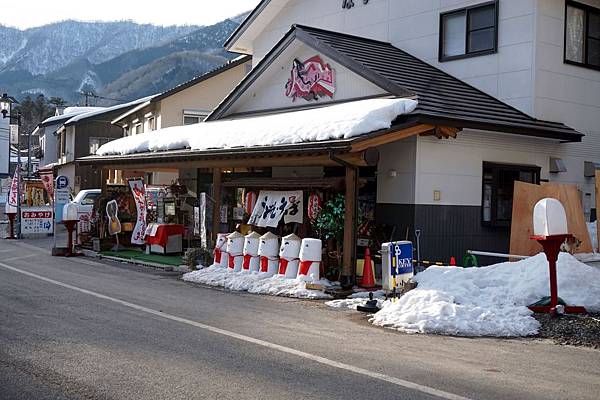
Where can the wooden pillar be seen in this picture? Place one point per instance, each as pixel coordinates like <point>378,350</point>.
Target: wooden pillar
<point>101,213</point>
<point>216,194</point>
<point>350,223</point>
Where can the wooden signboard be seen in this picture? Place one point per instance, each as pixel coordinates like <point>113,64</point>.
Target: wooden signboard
<point>526,196</point>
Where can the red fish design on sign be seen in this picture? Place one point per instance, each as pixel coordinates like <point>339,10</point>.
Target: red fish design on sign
<point>310,80</point>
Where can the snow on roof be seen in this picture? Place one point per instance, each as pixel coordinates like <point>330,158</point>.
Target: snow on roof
<point>70,112</point>
<point>341,121</point>
<point>104,110</point>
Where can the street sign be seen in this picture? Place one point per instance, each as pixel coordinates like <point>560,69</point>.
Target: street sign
<point>62,182</point>
<point>36,220</point>
<point>14,134</point>
<point>397,263</point>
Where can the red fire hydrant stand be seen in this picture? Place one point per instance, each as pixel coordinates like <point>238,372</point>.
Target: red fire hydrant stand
<point>551,245</point>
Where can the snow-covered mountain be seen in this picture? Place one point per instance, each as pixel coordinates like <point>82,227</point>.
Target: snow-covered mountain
<point>63,58</point>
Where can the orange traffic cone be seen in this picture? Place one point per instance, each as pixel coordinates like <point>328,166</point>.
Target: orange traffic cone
<point>453,261</point>
<point>368,278</point>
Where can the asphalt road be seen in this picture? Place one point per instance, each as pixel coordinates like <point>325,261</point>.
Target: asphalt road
<point>91,330</point>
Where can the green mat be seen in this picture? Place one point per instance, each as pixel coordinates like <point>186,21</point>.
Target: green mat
<point>141,256</point>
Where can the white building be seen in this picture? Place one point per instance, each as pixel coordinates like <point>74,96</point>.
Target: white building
<point>513,50</point>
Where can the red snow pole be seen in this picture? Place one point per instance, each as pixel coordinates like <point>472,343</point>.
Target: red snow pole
<point>551,231</point>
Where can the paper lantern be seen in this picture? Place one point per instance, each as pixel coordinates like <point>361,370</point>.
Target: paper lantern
<point>315,203</point>
<point>250,202</point>
<point>549,218</point>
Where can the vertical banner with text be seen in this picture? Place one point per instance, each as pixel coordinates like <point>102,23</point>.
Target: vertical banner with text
<point>138,190</point>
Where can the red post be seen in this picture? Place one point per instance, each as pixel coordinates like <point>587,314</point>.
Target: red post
<point>70,227</point>
<point>551,245</point>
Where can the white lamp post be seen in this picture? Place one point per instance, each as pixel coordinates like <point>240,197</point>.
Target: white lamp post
<point>5,108</point>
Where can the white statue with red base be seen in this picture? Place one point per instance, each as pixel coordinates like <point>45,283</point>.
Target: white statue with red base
<point>268,249</point>
<point>289,253</point>
<point>310,259</point>
<point>219,253</point>
<point>235,249</point>
<point>251,257</point>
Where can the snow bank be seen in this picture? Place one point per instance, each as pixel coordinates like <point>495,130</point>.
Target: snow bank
<point>257,283</point>
<point>340,121</point>
<point>488,301</point>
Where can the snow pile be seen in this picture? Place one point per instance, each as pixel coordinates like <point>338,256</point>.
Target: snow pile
<point>257,283</point>
<point>357,299</point>
<point>342,121</point>
<point>488,301</point>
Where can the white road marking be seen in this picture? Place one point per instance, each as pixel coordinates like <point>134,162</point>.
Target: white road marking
<point>20,257</point>
<point>321,360</point>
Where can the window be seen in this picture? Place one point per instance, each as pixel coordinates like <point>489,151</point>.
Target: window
<point>194,116</point>
<point>497,194</point>
<point>190,119</point>
<point>126,131</point>
<point>151,124</point>
<point>469,32</point>
<point>96,142</point>
<point>137,129</point>
<point>582,35</point>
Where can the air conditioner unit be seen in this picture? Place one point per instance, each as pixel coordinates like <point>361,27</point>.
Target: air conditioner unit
<point>589,168</point>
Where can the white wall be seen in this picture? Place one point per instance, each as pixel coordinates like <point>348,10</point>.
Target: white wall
<point>413,25</point>
<point>566,93</point>
<point>398,157</point>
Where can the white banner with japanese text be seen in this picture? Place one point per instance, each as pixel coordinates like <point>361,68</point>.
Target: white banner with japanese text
<point>138,190</point>
<point>271,206</point>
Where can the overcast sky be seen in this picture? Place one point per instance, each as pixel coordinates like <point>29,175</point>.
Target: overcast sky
<point>29,13</point>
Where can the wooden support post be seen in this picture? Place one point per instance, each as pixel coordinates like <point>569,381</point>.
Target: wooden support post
<point>216,194</point>
<point>350,225</point>
<point>103,190</point>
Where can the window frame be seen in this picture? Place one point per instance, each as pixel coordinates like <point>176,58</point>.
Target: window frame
<point>100,142</point>
<point>586,9</point>
<point>494,221</point>
<point>465,10</point>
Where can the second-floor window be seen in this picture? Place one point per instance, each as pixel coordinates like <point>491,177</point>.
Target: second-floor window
<point>582,35</point>
<point>469,31</point>
<point>96,142</point>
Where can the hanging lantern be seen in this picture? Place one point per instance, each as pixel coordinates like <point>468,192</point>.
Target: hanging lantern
<point>315,203</point>
<point>250,202</point>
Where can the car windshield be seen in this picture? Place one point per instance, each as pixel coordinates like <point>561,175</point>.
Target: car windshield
<point>81,195</point>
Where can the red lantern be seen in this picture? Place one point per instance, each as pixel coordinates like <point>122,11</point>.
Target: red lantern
<point>250,202</point>
<point>315,203</point>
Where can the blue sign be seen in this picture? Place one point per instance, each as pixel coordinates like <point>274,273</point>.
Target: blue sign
<point>62,182</point>
<point>401,258</point>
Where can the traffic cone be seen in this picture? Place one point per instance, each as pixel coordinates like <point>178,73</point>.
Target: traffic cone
<point>453,261</point>
<point>368,278</point>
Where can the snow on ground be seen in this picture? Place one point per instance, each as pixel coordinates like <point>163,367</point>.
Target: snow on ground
<point>257,283</point>
<point>357,299</point>
<point>341,121</point>
<point>488,301</point>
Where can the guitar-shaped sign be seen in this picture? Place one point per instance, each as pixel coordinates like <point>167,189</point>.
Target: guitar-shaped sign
<point>114,225</point>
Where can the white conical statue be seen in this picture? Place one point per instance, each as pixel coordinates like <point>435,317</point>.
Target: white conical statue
<point>235,248</point>
<point>251,258</point>
<point>310,258</point>
<point>221,256</point>
<point>268,251</point>
<point>289,253</point>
